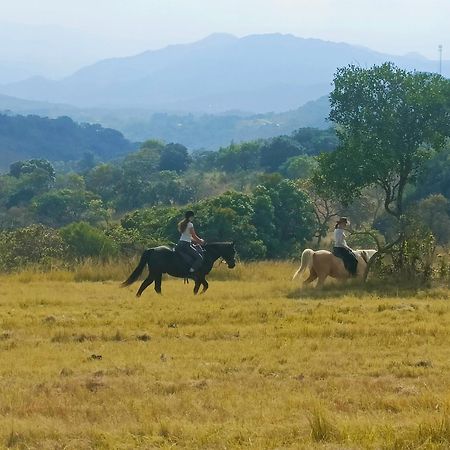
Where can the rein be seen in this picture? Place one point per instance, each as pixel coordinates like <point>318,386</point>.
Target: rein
<point>220,258</point>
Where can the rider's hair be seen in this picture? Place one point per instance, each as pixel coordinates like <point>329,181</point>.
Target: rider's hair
<point>183,223</point>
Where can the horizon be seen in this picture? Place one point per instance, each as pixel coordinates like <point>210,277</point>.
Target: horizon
<point>133,53</point>
<point>109,29</point>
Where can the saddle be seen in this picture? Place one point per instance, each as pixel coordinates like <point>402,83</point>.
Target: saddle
<point>187,259</point>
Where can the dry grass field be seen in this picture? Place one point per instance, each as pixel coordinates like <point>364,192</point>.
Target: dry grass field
<point>252,364</point>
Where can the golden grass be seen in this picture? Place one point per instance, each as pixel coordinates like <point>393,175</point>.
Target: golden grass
<point>252,364</point>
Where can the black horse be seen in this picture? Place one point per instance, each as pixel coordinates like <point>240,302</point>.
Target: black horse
<point>165,260</point>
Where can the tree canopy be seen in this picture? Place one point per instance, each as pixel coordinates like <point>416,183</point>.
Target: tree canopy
<point>389,122</point>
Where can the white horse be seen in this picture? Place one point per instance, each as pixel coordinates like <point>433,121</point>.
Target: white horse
<point>323,264</point>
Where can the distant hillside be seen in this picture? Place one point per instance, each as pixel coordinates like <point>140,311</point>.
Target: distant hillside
<point>20,106</point>
<point>195,131</point>
<point>257,73</point>
<point>210,131</point>
<point>56,139</point>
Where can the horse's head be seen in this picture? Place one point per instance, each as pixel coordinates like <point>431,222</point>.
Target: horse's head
<point>366,254</point>
<point>226,251</point>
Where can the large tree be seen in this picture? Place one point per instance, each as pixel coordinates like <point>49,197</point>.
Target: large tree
<point>389,122</point>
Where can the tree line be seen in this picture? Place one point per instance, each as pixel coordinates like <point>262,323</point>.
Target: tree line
<point>385,163</point>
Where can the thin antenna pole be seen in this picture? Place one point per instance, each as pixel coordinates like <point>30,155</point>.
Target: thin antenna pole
<point>440,58</point>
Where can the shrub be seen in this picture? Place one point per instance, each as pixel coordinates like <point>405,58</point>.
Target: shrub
<point>32,245</point>
<point>83,240</point>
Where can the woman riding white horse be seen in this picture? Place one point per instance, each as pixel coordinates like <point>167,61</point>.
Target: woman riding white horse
<point>342,264</point>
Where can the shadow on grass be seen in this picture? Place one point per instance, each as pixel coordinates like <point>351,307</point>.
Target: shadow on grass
<point>372,288</point>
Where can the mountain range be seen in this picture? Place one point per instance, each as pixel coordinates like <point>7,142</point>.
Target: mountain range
<point>253,74</point>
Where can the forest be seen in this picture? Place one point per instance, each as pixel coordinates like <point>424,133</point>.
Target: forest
<point>61,139</point>
<point>271,196</point>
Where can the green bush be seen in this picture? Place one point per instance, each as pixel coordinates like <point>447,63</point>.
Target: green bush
<point>33,245</point>
<point>83,240</point>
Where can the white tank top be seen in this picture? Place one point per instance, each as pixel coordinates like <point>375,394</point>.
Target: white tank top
<point>186,235</point>
<point>339,238</point>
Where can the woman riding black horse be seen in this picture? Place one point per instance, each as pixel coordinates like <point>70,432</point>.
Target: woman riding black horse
<point>164,260</point>
<point>185,245</point>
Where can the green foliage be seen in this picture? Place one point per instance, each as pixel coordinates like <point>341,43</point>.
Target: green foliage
<point>237,157</point>
<point>59,208</point>
<point>389,122</point>
<point>316,141</point>
<point>127,241</point>
<point>298,167</point>
<point>31,245</point>
<point>104,180</point>
<point>155,226</point>
<point>84,240</point>
<point>363,240</point>
<point>433,213</point>
<point>174,157</point>
<point>71,181</point>
<point>413,257</point>
<point>272,222</point>
<point>293,219</point>
<point>270,154</point>
<point>229,218</point>
<point>276,151</point>
<point>435,178</point>
<point>58,139</point>
<point>33,178</point>
<point>20,168</point>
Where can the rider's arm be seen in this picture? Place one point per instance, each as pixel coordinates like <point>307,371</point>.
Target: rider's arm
<point>195,238</point>
<point>340,241</point>
<point>345,243</point>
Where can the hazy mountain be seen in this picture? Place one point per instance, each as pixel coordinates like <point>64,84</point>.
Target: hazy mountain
<point>258,73</point>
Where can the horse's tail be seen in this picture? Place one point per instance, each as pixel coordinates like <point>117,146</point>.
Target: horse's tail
<point>306,262</point>
<point>140,267</point>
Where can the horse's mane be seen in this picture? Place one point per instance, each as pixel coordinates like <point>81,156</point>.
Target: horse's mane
<point>218,243</point>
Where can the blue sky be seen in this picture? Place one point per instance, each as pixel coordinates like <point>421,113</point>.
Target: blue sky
<point>131,26</point>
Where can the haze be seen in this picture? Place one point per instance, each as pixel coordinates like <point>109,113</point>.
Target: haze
<point>74,33</point>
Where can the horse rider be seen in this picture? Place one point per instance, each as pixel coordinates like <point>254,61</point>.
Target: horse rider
<point>187,238</point>
<point>341,249</point>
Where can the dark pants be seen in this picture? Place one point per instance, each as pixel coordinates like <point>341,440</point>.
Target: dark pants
<point>350,260</point>
<point>190,254</point>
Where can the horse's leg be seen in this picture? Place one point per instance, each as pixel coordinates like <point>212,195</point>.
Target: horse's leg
<point>197,285</point>
<point>158,279</point>
<point>145,284</point>
<point>312,277</point>
<point>321,280</point>
<point>205,285</point>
